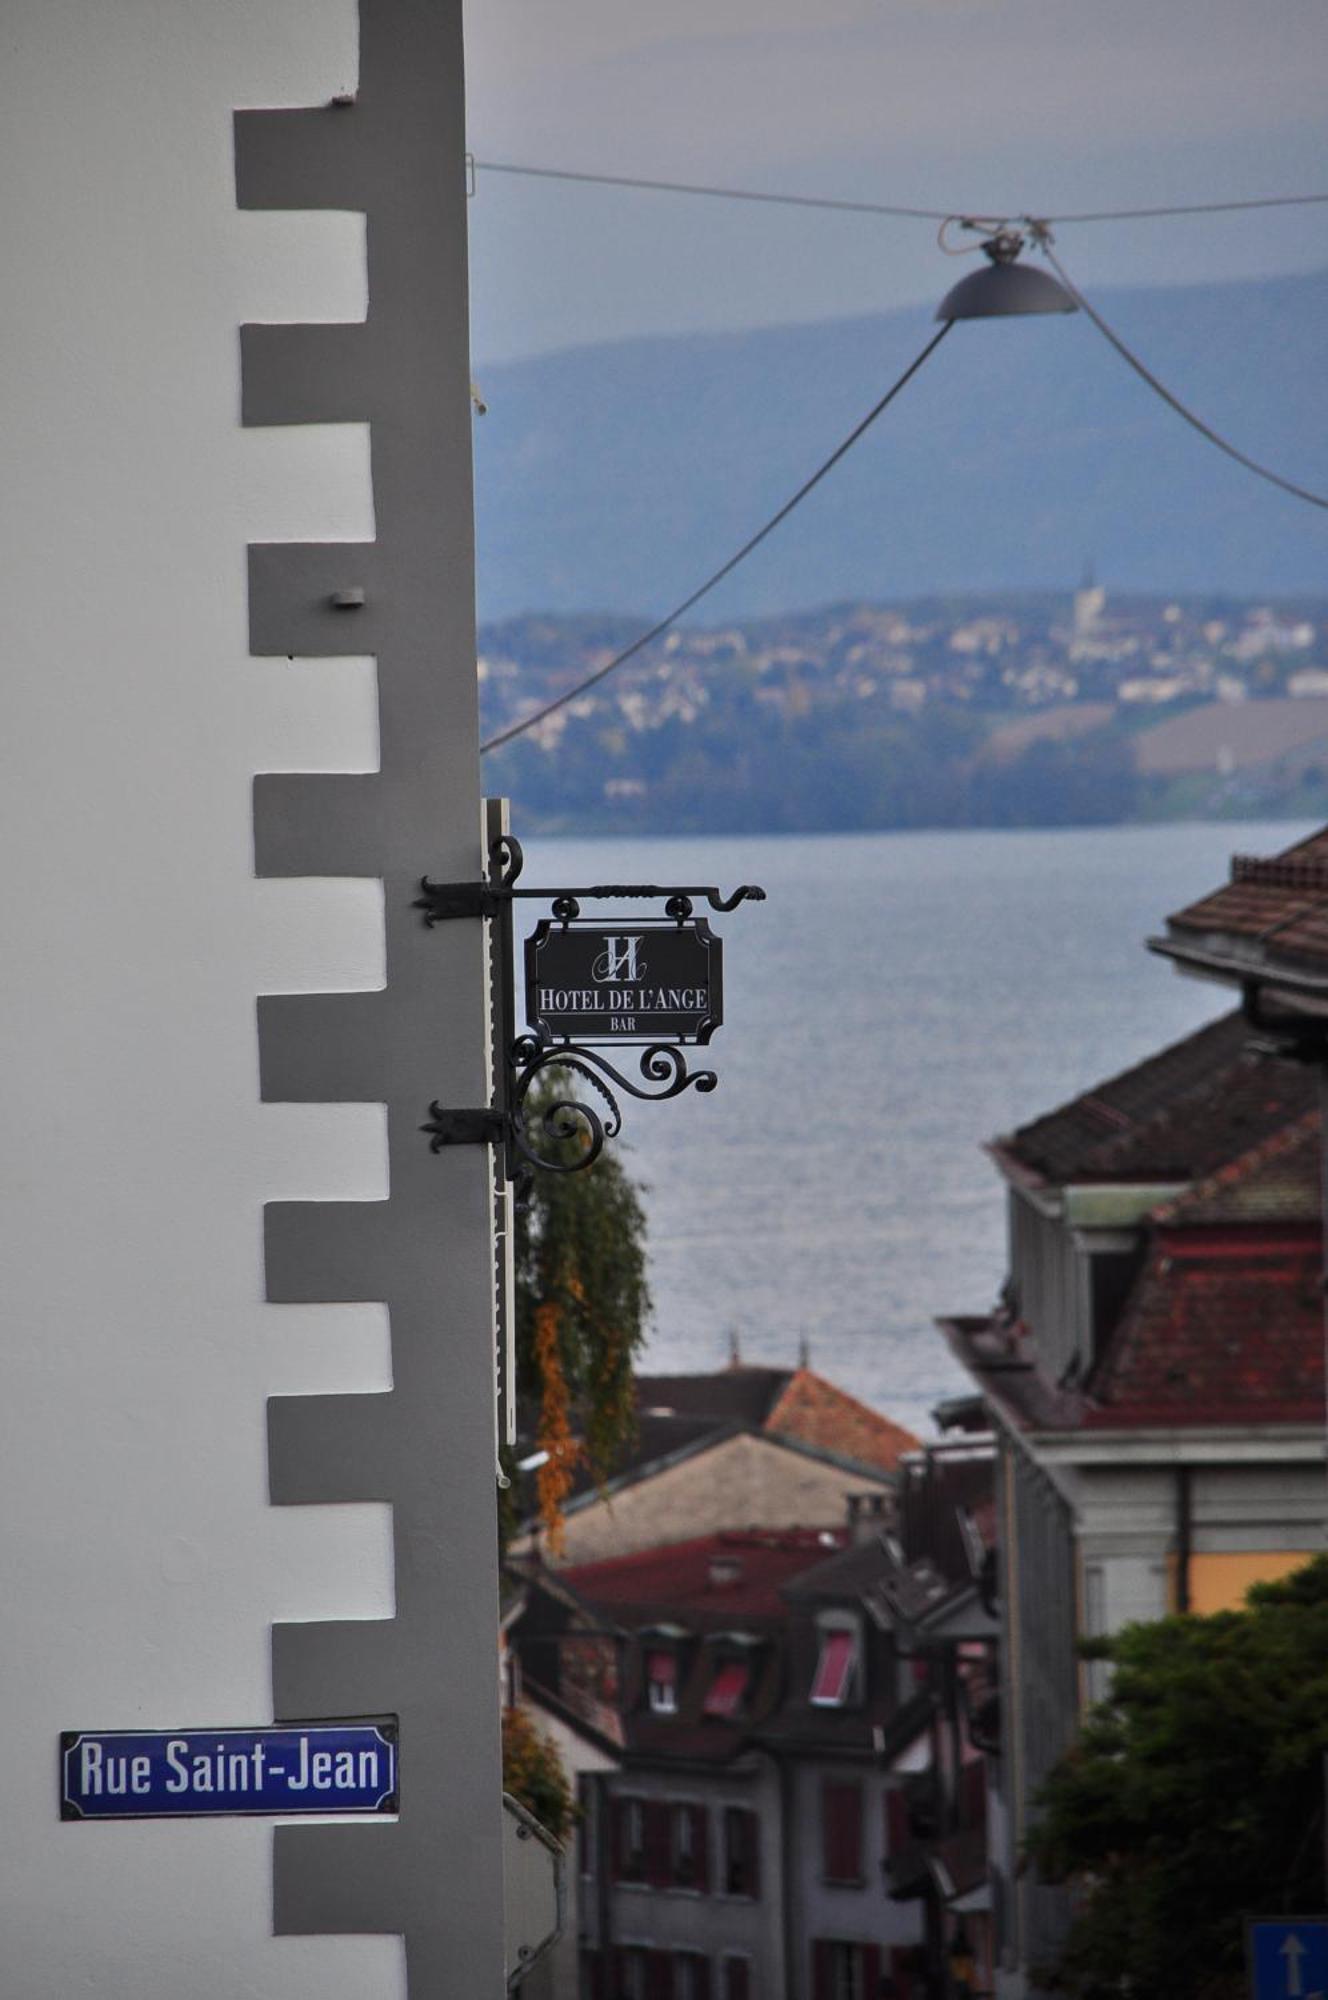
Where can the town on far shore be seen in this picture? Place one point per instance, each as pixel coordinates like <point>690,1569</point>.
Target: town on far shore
<point>1076,707</point>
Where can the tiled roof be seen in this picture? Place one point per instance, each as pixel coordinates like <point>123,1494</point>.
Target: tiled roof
<point>1180,1114</point>
<point>1281,904</point>
<point>1278,1181</point>
<point>815,1412</point>
<point>1219,1331</point>
<point>708,1582</point>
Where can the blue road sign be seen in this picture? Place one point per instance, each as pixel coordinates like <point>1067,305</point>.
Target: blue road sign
<point>1288,1958</point>
<point>181,1773</point>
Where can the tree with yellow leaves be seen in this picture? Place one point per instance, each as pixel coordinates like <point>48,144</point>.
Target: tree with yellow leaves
<point>582,1307</point>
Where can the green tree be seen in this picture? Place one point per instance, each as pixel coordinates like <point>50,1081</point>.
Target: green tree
<point>1194,1796</point>
<point>582,1305</point>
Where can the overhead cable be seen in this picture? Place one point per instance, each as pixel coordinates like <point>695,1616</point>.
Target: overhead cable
<point>1145,374</point>
<point>880,207</point>
<point>713,193</point>
<point>726,569</point>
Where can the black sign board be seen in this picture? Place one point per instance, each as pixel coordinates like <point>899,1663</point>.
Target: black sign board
<point>633,981</point>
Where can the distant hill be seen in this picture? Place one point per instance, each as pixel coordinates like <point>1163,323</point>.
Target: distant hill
<point>613,478</point>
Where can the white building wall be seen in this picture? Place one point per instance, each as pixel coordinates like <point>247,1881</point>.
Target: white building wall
<point>141,1566</point>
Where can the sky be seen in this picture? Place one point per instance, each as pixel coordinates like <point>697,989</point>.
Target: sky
<point>1040,106</point>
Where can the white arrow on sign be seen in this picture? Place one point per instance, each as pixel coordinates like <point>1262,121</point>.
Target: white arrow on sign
<point>1293,1951</point>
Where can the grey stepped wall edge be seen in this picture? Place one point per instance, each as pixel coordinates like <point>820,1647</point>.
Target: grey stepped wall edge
<point>426,1446</point>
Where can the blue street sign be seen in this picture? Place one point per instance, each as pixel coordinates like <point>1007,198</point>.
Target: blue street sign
<point>1288,1958</point>
<point>179,1773</point>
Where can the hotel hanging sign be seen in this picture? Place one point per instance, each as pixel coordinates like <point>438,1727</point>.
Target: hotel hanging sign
<point>625,982</point>
<point>328,1769</point>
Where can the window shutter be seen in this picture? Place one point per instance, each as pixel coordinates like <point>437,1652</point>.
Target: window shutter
<point>841,1831</point>
<point>702,1965</point>
<point>659,1861</point>
<point>901,1971</point>
<point>823,1970</point>
<point>619,1859</point>
<point>701,1847</point>
<point>973,1793</point>
<point>871,1971</point>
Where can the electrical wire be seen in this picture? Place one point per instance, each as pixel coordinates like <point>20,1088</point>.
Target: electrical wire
<point>726,569</point>
<point>1041,236</point>
<point>712,193</point>
<point>941,215</point>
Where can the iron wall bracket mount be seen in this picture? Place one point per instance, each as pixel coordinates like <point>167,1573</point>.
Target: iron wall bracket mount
<point>544,1139</point>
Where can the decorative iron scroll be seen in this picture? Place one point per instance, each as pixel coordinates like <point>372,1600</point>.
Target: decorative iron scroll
<point>539,1138</point>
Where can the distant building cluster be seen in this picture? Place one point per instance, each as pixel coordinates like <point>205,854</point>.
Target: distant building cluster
<point>1026,711</point>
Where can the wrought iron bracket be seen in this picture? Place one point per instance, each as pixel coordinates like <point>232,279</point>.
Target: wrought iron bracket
<point>464,1128</point>
<point>442,901</point>
<point>519,1061</point>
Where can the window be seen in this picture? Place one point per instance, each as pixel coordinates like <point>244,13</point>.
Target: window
<point>842,1971</point>
<point>833,1684</point>
<point>662,1682</point>
<point>841,1832</point>
<point>742,1854</point>
<point>586,1800</point>
<point>687,1847</point>
<point>691,1976</point>
<point>737,1980</point>
<point>629,1846</point>
<point>632,1980</point>
<point>724,1696</point>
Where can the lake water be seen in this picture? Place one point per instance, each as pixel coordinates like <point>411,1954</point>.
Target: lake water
<point>897,1000</point>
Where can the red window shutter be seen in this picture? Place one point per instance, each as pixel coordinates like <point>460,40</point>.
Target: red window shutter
<point>659,1860</point>
<point>973,1793</point>
<point>823,1970</point>
<point>898,1833</point>
<point>701,1847</point>
<point>841,1831</point>
<point>901,1971</point>
<point>737,1984</point>
<point>871,1971</point>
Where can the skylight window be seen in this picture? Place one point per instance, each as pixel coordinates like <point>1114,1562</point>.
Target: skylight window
<point>662,1682</point>
<point>836,1669</point>
<point>724,1696</point>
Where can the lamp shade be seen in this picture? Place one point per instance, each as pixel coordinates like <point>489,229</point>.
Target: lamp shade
<point>1002,288</point>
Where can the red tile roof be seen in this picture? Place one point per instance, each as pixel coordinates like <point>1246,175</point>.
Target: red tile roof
<point>1219,1331</point>
<point>708,1582</point>
<point>1280,1180</point>
<point>815,1412</point>
<point>1282,904</point>
<point>1224,1324</point>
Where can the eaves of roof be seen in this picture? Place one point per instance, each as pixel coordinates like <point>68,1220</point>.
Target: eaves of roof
<point>540,1697</point>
